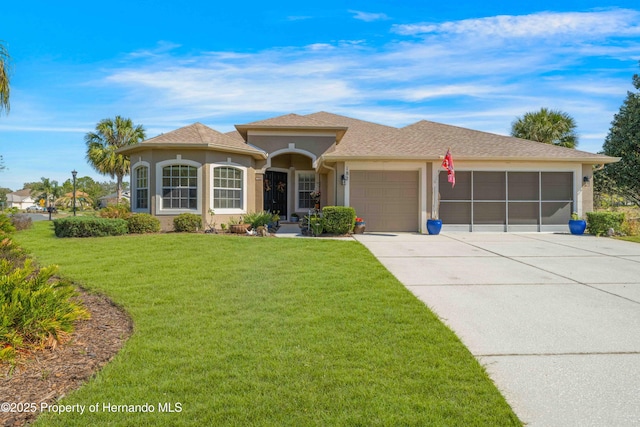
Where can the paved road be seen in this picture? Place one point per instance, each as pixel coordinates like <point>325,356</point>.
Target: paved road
<point>554,318</point>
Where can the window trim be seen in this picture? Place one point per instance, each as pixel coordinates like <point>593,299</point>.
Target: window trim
<point>178,162</point>
<point>245,180</point>
<point>134,186</point>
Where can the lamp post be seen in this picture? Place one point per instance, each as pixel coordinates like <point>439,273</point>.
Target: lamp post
<point>74,173</point>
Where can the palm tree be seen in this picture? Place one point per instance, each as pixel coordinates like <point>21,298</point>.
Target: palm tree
<point>103,143</point>
<point>4,78</point>
<point>548,126</point>
<point>46,189</point>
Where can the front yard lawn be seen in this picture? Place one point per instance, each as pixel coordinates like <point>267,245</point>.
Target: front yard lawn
<point>264,332</point>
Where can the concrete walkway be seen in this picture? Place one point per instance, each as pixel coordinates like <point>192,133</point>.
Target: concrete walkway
<point>554,318</point>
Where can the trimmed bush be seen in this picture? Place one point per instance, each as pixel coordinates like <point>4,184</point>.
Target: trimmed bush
<point>599,223</point>
<point>141,223</point>
<point>187,222</point>
<point>338,219</point>
<point>87,226</point>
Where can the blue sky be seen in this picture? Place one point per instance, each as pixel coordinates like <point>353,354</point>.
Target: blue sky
<point>165,65</point>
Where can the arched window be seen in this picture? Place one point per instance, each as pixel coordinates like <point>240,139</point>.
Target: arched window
<point>228,188</point>
<point>141,188</point>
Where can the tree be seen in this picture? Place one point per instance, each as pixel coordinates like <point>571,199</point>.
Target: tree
<point>46,189</point>
<point>102,144</point>
<point>548,126</point>
<point>623,141</point>
<point>4,78</point>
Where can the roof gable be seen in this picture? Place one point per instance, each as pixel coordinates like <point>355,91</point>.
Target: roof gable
<point>292,122</point>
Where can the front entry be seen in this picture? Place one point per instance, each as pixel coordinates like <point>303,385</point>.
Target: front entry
<point>275,193</point>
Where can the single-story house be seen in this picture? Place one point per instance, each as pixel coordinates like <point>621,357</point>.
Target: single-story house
<point>20,199</point>
<point>391,176</point>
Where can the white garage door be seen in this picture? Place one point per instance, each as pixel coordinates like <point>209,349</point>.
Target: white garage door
<point>386,200</point>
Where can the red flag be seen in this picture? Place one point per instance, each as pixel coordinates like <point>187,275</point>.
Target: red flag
<point>447,163</point>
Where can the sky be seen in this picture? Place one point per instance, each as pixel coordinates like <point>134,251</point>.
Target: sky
<point>167,64</point>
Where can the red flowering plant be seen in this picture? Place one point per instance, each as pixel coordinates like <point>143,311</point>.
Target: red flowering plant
<point>359,220</point>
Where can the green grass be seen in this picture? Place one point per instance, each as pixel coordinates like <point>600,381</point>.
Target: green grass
<point>266,332</point>
<point>635,239</point>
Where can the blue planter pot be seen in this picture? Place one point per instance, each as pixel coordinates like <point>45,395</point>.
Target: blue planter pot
<point>434,226</point>
<point>577,226</point>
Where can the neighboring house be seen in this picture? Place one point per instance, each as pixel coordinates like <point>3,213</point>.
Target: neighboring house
<point>391,176</point>
<point>112,199</point>
<point>20,199</point>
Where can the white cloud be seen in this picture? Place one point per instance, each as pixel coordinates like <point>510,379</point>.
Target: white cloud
<point>543,24</point>
<point>368,16</point>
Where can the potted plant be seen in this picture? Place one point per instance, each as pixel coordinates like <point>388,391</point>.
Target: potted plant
<point>434,226</point>
<point>295,217</point>
<point>360,226</point>
<point>238,226</point>
<point>577,225</point>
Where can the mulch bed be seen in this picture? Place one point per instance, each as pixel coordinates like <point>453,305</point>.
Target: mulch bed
<point>49,375</point>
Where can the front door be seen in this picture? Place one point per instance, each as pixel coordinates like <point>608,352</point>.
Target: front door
<point>275,193</point>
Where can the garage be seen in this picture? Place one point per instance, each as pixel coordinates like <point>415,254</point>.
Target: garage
<point>386,200</point>
<point>507,200</point>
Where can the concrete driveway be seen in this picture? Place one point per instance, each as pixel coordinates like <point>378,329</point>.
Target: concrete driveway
<point>554,318</point>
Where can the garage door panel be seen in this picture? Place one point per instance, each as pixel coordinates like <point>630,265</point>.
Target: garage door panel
<point>387,200</point>
<point>525,198</point>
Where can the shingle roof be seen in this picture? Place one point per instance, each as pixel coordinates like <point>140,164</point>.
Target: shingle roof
<point>430,140</point>
<point>363,138</point>
<point>359,139</point>
<point>194,136</point>
<point>292,122</point>
<point>435,138</point>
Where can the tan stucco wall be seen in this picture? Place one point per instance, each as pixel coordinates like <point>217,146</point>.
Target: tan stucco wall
<point>271,143</point>
<point>206,158</point>
<point>587,189</point>
<point>292,160</point>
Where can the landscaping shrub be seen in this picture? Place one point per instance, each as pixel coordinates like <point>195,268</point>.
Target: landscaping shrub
<point>599,223</point>
<point>141,223</point>
<point>10,251</point>
<point>116,211</point>
<point>338,219</point>
<point>260,219</point>
<point>85,226</point>
<point>36,309</point>
<point>316,225</point>
<point>187,222</point>
<point>5,224</point>
<point>21,222</point>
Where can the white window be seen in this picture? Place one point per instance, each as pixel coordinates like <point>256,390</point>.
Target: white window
<point>141,195</point>
<point>178,186</point>
<point>228,192</point>
<point>227,188</point>
<point>306,185</point>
